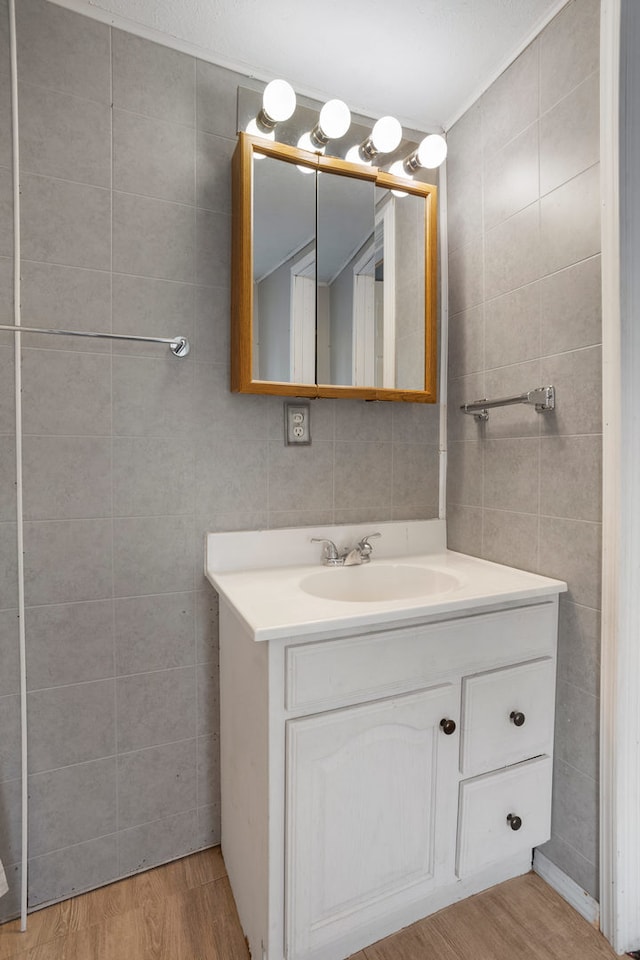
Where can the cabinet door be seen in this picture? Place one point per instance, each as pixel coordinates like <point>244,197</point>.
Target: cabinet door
<point>371,797</point>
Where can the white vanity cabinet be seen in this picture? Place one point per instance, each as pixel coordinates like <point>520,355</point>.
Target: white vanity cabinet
<point>373,776</point>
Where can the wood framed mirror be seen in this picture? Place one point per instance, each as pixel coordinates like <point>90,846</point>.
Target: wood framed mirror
<point>334,278</point>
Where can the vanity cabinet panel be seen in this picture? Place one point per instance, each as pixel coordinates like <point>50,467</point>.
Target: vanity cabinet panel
<point>507,715</point>
<point>485,834</point>
<point>332,673</point>
<point>371,797</point>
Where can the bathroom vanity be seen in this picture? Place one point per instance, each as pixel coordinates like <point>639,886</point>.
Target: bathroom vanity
<point>386,731</point>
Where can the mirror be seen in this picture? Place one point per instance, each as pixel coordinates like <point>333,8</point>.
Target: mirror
<point>334,278</point>
<point>345,240</point>
<point>284,274</point>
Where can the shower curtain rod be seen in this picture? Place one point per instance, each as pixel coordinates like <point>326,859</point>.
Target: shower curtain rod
<point>179,345</point>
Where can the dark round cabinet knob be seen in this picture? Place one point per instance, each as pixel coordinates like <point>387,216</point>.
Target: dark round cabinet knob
<point>514,821</point>
<point>448,726</point>
<point>517,717</point>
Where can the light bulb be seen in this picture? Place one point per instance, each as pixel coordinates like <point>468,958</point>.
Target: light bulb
<point>397,170</point>
<point>432,151</point>
<point>278,100</point>
<point>354,156</point>
<point>386,135</point>
<point>304,143</point>
<point>255,131</point>
<point>335,119</point>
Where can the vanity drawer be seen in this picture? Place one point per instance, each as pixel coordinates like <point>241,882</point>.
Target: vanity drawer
<point>329,673</point>
<point>507,715</point>
<point>485,835</point>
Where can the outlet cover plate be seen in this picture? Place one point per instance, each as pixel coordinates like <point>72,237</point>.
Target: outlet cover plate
<point>297,424</point>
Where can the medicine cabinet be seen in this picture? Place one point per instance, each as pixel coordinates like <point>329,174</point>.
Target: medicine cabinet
<point>334,278</point>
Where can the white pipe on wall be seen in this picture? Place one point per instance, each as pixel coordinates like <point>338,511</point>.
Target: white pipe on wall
<point>444,336</point>
<point>17,315</point>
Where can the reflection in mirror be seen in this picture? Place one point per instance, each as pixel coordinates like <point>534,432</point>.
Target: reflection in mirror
<point>371,285</point>
<point>401,267</point>
<point>284,272</point>
<point>345,244</point>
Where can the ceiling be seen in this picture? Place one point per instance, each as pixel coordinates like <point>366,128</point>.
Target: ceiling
<point>424,61</point>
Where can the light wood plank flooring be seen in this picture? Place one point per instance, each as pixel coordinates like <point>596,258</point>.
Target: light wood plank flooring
<point>185,911</point>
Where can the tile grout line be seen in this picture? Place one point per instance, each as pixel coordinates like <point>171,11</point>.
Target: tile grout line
<point>109,756</point>
<point>120,273</point>
<point>108,188</point>
<point>500,296</point>
<point>587,776</point>
<point>109,679</point>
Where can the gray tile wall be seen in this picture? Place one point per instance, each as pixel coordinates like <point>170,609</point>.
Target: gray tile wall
<point>130,455</point>
<point>524,281</point>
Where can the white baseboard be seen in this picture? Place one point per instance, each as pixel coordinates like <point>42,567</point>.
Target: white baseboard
<point>568,889</point>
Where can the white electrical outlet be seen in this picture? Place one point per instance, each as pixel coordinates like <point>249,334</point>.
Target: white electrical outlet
<point>297,423</point>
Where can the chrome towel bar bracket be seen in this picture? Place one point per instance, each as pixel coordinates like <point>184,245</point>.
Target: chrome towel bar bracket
<point>542,398</point>
<point>179,346</point>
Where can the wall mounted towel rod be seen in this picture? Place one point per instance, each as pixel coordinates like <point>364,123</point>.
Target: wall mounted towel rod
<point>543,398</point>
<point>179,345</point>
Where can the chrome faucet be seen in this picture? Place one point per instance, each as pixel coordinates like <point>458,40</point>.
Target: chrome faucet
<point>364,548</point>
<point>330,554</point>
<point>361,553</point>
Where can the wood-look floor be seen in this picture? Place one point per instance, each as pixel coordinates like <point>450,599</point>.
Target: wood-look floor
<point>185,911</point>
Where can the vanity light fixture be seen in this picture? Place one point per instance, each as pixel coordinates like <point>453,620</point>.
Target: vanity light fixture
<point>256,131</point>
<point>354,155</point>
<point>384,138</point>
<point>305,143</point>
<point>278,104</point>
<point>333,123</point>
<point>430,153</point>
<point>397,170</point>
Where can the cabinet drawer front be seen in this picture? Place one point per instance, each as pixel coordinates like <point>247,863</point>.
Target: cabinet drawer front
<point>485,835</point>
<point>491,737</point>
<point>332,673</point>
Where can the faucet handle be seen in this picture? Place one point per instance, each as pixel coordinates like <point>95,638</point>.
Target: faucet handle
<point>366,548</point>
<point>330,553</point>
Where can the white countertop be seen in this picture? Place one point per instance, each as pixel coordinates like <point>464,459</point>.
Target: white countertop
<point>269,599</point>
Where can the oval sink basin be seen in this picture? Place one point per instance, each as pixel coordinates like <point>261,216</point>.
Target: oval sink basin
<point>384,581</point>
